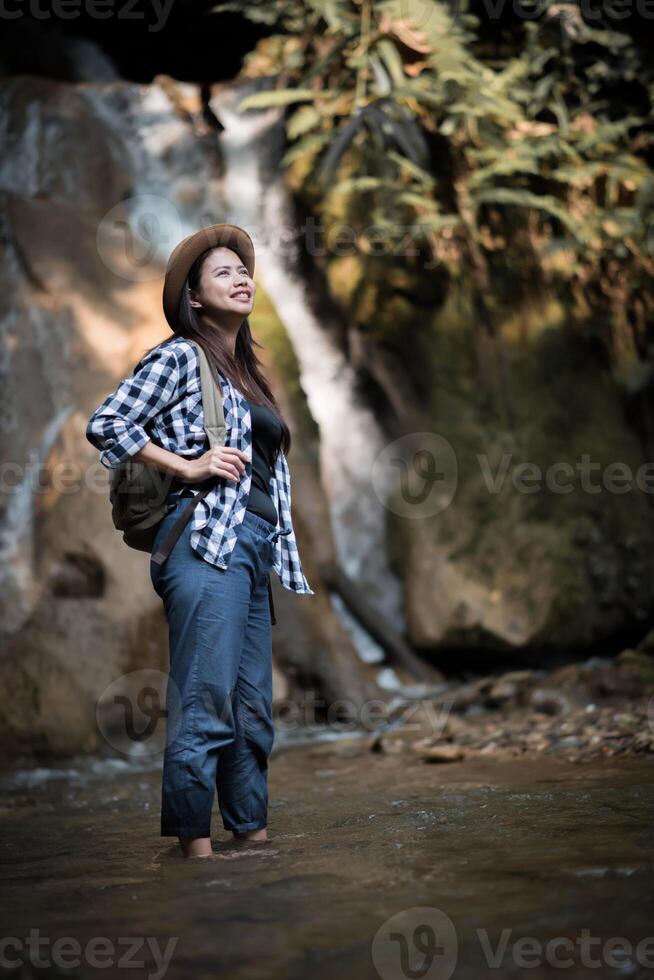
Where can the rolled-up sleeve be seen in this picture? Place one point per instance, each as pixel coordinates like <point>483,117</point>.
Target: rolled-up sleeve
<point>117,426</point>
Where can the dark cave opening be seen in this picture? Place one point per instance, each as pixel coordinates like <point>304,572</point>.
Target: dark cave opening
<point>140,38</point>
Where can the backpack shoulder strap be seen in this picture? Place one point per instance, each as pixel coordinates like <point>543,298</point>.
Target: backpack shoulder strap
<point>212,400</point>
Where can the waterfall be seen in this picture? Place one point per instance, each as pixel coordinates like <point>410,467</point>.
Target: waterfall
<point>255,197</point>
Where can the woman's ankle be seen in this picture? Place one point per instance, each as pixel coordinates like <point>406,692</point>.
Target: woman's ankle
<point>196,846</point>
<point>260,834</point>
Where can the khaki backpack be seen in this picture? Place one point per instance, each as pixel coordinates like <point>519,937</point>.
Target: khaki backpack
<point>139,493</point>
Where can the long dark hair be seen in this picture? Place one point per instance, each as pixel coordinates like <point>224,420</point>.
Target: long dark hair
<point>243,368</point>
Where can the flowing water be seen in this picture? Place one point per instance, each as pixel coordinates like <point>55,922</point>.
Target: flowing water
<point>254,196</point>
<point>528,861</point>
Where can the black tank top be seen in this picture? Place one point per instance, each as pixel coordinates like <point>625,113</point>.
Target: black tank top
<point>266,438</point>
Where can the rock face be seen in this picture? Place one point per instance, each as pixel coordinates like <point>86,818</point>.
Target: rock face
<point>76,312</point>
<point>538,545</point>
<point>521,516</point>
<point>79,304</point>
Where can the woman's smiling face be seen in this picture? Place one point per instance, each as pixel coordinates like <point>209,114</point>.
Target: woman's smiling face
<point>225,285</point>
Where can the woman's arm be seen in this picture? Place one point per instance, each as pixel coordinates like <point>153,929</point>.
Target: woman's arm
<point>117,427</point>
<point>164,460</point>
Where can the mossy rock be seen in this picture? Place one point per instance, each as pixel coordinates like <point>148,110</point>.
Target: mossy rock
<point>529,563</point>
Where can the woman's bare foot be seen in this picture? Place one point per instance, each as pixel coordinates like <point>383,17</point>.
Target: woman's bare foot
<point>251,835</point>
<point>196,847</point>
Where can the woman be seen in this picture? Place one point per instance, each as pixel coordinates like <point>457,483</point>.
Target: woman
<point>215,584</point>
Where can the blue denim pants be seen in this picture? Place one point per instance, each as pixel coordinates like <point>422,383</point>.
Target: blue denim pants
<point>219,694</point>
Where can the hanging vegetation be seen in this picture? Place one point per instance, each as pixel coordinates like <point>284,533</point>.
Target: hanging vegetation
<point>518,169</point>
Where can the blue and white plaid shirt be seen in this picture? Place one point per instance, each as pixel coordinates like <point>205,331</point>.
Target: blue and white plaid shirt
<point>164,396</point>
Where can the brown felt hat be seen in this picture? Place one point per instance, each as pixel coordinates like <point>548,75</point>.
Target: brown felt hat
<point>184,255</point>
